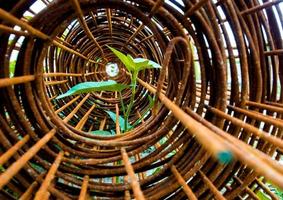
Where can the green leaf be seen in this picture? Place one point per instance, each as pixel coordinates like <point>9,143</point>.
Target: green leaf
<point>140,63</point>
<point>131,61</point>
<point>151,101</point>
<point>262,196</point>
<point>57,146</point>
<point>98,59</point>
<point>143,63</point>
<point>154,64</point>
<point>124,59</point>
<point>28,17</point>
<point>136,64</point>
<point>101,132</point>
<point>2,169</point>
<point>156,170</point>
<point>87,87</point>
<point>112,115</point>
<point>37,167</point>
<point>276,190</point>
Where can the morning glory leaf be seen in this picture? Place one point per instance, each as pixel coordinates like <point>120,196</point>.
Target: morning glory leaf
<point>143,63</point>
<point>112,115</point>
<point>140,60</point>
<point>131,59</point>
<point>154,64</point>
<point>131,62</point>
<point>136,64</point>
<point>123,58</point>
<point>87,87</point>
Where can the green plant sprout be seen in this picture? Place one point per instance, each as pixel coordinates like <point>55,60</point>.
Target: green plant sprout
<point>86,87</point>
<point>134,66</point>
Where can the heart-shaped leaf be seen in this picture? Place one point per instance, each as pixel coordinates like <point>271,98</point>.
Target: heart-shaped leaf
<point>140,63</point>
<point>123,58</point>
<point>112,115</point>
<point>87,87</point>
<point>131,61</point>
<point>143,63</point>
<point>136,64</point>
<point>155,65</point>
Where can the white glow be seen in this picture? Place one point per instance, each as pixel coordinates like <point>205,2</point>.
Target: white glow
<point>112,69</point>
<point>37,6</point>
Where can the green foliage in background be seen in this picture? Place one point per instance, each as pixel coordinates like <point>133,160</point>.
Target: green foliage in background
<point>12,68</point>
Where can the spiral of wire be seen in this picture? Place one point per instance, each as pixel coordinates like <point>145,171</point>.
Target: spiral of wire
<point>213,130</point>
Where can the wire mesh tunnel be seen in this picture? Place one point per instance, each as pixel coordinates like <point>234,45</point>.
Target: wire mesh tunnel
<point>207,125</point>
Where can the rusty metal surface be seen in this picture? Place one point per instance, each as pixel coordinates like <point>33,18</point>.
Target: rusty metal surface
<point>219,93</point>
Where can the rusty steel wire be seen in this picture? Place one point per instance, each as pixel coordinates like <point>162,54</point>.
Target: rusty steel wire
<point>214,131</point>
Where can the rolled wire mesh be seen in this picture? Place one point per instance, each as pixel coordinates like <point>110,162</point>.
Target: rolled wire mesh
<point>218,94</point>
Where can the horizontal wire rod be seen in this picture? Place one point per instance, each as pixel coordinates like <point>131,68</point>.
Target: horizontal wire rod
<point>10,18</point>
<point>8,29</point>
<point>225,144</point>
<point>206,137</point>
<point>19,164</point>
<point>61,74</point>
<point>260,7</point>
<point>5,82</point>
<point>254,158</point>
<point>261,134</point>
<point>9,153</point>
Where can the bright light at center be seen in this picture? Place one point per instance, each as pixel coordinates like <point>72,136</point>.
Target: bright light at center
<point>112,69</point>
